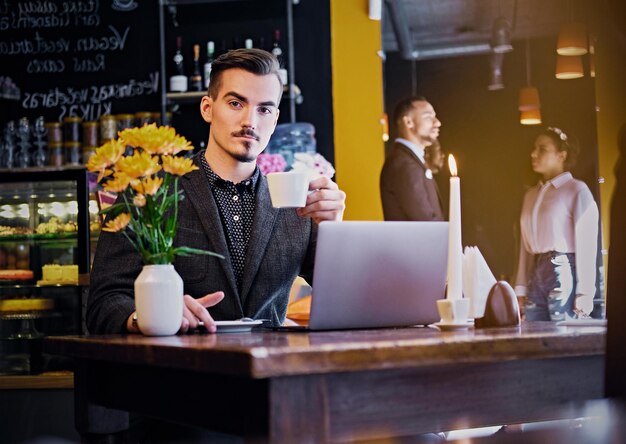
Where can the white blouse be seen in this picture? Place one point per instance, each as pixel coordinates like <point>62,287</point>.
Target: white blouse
<point>560,215</point>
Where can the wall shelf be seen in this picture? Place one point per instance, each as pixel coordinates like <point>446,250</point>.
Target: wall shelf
<point>49,380</point>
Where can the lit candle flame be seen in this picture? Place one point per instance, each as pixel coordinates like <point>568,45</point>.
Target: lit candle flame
<point>452,165</point>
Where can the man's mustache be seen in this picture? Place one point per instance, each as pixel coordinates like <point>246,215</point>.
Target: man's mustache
<point>246,132</point>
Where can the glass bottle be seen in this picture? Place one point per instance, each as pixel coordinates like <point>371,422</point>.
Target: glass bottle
<point>278,52</point>
<point>210,52</point>
<point>276,49</point>
<point>196,76</point>
<point>178,82</point>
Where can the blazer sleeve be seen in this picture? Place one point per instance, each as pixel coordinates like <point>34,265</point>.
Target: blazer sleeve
<point>306,271</point>
<point>116,266</point>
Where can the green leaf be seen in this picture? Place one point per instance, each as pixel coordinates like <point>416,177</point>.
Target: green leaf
<point>115,207</point>
<point>188,251</point>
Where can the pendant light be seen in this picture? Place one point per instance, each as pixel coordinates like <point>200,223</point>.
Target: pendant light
<point>569,67</point>
<point>501,33</point>
<point>495,73</point>
<point>529,95</point>
<point>572,39</point>
<point>501,36</point>
<point>530,117</point>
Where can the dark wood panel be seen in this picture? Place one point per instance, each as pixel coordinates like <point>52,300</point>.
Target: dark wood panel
<point>413,401</point>
<point>265,354</point>
<point>49,380</point>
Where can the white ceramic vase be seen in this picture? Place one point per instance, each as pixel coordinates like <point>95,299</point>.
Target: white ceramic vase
<point>159,300</point>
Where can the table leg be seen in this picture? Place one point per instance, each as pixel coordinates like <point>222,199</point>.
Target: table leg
<point>91,418</point>
<point>299,409</point>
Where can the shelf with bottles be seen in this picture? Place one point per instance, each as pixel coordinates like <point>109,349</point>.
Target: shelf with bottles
<point>186,79</point>
<point>198,81</point>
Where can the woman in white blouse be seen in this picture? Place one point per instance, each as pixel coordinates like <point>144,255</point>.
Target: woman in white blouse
<point>559,231</point>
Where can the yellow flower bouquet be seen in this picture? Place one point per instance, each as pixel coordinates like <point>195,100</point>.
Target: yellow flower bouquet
<point>147,181</point>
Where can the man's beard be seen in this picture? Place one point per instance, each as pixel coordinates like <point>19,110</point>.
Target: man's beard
<point>246,156</point>
<point>428,141</point>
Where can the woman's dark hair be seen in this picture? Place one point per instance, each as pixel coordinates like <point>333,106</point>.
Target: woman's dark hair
<point>254,60</point>
<point>563,142</point>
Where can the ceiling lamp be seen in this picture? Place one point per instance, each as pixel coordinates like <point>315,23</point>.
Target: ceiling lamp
<point>572,39</point>
<point>495,74</point>
<point>501,36</point>
<point>529,99</point>
<point>528,95</point>
<point>530,117</point>
<point>569,67</point>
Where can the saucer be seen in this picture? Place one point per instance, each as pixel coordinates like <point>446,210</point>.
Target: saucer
<point>443,326</point>
<point>236,326</point>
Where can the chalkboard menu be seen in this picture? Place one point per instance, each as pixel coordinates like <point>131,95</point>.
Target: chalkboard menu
<point>83,58</point>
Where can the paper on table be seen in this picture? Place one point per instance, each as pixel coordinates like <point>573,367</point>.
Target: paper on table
<point>477,280</point>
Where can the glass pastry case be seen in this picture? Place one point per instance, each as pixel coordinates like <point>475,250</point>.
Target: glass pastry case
<point>45,219</point>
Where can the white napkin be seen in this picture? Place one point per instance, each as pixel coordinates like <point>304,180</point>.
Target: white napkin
<point>477,281</point>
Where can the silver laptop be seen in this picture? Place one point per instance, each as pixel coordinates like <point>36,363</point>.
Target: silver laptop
<point>378,274</point>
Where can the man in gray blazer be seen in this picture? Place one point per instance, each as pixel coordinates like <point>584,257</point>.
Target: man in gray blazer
<point>407,188</point>
<point>226,209</point>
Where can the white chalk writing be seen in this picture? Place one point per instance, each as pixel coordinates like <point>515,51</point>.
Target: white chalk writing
<point>95,94</point>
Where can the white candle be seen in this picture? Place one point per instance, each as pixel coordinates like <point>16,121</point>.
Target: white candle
<point>455,249</point>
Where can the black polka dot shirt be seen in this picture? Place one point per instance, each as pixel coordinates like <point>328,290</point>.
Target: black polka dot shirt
<point>236,206</point>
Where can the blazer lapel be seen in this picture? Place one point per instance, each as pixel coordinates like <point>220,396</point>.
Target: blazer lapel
<point>197,190</point>
<point>412,154</point>
<point>423,167</point>
<point>264,218</point>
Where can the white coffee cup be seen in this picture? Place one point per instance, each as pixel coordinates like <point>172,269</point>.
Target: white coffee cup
<point>288,190</point>
<point>453,311</point>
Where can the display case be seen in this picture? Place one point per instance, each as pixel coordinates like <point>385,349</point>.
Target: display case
<point>44,262</point>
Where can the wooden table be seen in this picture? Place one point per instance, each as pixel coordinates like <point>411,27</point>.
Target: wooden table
<point>340,385</point>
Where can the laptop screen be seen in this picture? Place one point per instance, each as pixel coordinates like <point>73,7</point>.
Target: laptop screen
<point>378,274</point>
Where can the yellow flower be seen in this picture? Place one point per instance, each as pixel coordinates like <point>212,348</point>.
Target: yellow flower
<point>118,184</point>
<point>117,224</point>
<point>149,185</point>
<point>139,200</point>
<point>179,166</point>
<point>156,140</point>
<point>104,157</point>
<point>140,164</point>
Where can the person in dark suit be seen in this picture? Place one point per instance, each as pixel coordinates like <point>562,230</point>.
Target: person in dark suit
<point>226,209</point>
<point>407,188</point>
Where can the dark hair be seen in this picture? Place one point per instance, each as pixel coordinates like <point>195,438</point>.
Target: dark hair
<point>404,107</point>
<point>253,60</point>
<point>563,142</point>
